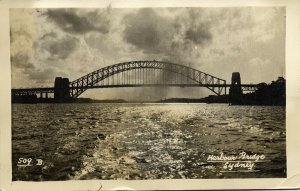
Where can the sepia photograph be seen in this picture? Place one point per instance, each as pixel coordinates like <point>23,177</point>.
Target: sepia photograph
<point>148,93</point>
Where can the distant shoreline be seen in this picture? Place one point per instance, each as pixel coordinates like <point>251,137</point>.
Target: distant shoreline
<point>212,99</point>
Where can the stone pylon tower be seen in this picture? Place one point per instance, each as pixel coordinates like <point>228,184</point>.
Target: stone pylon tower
<point>61,89</point>
<point>235,91</point>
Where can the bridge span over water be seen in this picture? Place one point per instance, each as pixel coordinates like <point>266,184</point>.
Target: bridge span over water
<point>138,74</point>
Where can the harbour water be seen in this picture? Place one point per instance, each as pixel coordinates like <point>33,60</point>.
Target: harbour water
<point>144,141</point>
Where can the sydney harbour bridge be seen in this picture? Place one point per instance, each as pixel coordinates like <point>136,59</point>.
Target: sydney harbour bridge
<point>138,74</point>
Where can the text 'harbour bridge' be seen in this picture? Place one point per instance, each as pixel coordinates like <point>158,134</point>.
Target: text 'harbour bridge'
<point>136,74</point>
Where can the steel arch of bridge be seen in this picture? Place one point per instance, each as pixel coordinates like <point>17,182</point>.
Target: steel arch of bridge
<point>191,76</point>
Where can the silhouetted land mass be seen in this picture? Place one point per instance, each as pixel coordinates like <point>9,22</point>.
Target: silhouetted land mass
<point>266,94</point>
<point>209,99</point>
<point>88,100</point>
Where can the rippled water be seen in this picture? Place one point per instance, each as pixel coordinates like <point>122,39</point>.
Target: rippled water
<point>144,141</point>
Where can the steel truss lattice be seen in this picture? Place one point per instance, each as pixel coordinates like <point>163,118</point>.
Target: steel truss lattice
<point>143,73</point>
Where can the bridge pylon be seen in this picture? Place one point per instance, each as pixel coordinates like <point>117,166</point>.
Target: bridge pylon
<point>61,89</point>
<point>235,91</point>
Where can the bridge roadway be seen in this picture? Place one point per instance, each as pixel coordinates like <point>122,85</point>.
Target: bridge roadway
<point>31,91</point>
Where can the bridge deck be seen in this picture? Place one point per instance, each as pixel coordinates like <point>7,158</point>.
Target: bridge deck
<point>245,87</point>
<point>163,85</point>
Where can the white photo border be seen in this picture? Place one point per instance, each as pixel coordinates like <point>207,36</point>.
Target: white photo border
<point>292,107</point>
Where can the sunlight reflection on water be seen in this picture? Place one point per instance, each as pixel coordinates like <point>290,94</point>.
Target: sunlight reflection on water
<point>143,141</point>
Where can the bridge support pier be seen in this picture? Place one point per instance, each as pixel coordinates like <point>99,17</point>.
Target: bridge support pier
<point>235,91</point>
<point>61,89</point>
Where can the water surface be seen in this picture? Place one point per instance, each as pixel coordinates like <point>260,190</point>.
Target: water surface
<point>144,141</point>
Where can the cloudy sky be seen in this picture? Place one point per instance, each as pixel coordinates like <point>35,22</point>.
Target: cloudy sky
<point>46,43</point>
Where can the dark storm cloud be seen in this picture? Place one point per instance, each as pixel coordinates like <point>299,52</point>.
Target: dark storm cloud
<point>199,35</point>
<point>60,48</point>
<point>69,21</point>
<point>21,60</point>
<point>198,30</point>
<point>155,33</point>
<point>148,31</point>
